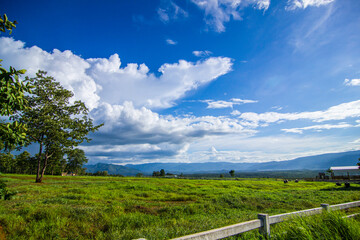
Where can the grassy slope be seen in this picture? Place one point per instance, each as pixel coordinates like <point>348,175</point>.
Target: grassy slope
<point>130,208</point>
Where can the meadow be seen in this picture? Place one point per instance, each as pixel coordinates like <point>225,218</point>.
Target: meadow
<point>152,208</point>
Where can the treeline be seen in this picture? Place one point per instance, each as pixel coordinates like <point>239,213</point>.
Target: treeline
<point>24,163</point>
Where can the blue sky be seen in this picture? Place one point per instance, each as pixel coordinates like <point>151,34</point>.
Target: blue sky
<point>200,80</point>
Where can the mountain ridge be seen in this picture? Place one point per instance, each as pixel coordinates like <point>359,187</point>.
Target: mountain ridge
<point>316,162</point>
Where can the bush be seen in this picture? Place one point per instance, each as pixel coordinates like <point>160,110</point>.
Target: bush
<point>4,191</point>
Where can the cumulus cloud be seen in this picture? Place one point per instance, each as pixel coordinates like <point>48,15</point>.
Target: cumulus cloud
<point>352,82</point>
<point>202,53</point>
<point>294,4</point>
<point>235,112</point>
<point>98,80</point>
<point>170,42</point>
<point>65,66</point>
<point>319,127</point>
<point>338,112</point>
<point>227,104</point>
<point>141,133</point>
<point>122,98</point>
<point>218,12</point>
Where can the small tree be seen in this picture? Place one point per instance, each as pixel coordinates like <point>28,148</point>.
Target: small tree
<point>53,123</point>
<point>162,173</point>
<point>76,160</point>
<point>232,173</point>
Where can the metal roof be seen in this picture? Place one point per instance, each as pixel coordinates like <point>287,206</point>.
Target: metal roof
<point>345,168</point>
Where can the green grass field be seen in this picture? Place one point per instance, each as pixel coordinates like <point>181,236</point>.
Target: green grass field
<point>151,208</point>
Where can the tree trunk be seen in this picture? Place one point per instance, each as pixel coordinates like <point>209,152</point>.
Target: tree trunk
<point>38,178</point>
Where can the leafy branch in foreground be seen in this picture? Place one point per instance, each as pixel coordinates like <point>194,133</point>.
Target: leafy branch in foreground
<point>12,98</point>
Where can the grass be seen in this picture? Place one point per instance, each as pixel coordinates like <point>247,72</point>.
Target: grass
<point>151,208</point>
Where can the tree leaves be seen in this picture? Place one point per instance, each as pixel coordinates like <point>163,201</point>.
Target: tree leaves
<point>54,123</point>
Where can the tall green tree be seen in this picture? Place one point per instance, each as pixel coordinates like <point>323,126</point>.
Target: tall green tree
<point>52,121</point>
<point>232,173</point>
<point>76,160</point>
<point>12,98</point>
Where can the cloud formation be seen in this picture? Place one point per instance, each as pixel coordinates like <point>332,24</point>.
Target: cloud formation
<point>205,53</point>
<point>170,41</point>
<point>126,128</point>
<point>170,11</point>
<point>97,80</point>
<point>294,4</point>
<point>338,112</point>
<point>352,82</point>
<point>218,12</point>
<point>227,104</point>
<point>320,127</point>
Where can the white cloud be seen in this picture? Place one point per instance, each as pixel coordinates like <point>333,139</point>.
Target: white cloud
<point>338,112</point>
<point>218,12</point>
<point>98,80</point>
<point>138,133</point>
<point>235,112</point>
<point>202,53</point>
<point>66,67</point>
<point>234,148</point>
<point>294,4</point>
<point>241,101</point>
<point>352,82</point>
<point>227,104</point>
<point>170,42</point>
<point>170,11</point>
<point>320,127</point>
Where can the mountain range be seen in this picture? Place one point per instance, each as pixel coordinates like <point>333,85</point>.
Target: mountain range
<point>317,162</point>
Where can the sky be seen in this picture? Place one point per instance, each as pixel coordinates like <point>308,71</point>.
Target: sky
<point>199,80</point>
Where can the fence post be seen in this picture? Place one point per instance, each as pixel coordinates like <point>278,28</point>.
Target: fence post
<point>265,222</point>
<point>326,207</point>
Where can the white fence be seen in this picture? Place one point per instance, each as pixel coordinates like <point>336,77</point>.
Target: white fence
<point>264,222</point>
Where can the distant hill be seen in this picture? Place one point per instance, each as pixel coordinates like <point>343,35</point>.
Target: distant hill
<point>111,169</point>
<point>317,162</point>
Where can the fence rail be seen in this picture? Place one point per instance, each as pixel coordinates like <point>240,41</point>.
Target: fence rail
<point>264,222</point>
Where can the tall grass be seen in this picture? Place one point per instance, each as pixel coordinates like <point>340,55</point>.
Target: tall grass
<point>151,208</point>
<point>324,226</point>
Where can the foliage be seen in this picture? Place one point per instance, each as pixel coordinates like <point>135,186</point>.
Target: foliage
<point>152,208</point>
<point>12,98</point>
<point>6,24</point>
<point>232,173</point>
<point>76,159</point>
<point>53,123</point>
<point>5,193</point>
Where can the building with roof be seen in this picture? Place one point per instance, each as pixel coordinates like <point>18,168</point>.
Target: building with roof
<point>345,172</point>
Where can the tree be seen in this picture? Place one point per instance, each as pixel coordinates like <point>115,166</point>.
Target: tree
<point>53,123</point>
<point>162,173</point>
<point>232,173</point>
<point>76,160</point>
<point>22,163</point>
<point>12,98</point>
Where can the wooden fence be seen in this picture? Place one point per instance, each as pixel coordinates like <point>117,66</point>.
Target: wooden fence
<point>263,222</point>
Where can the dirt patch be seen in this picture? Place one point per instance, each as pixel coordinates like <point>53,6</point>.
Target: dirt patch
<point>2,234</point>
